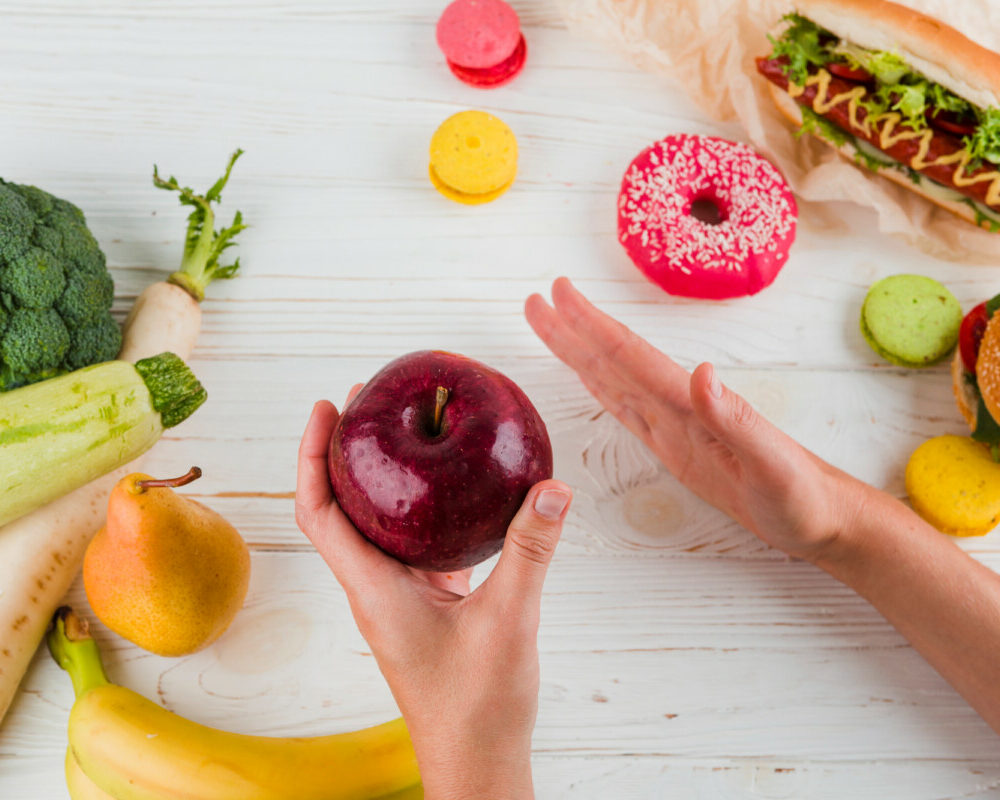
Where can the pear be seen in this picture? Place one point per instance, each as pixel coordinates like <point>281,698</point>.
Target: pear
<point>165,572</point>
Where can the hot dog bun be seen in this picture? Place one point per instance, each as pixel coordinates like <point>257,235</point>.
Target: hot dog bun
<point>928,45</point>
<point>792,112</point>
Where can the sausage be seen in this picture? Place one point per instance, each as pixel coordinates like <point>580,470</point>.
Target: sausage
<point>942,143</point>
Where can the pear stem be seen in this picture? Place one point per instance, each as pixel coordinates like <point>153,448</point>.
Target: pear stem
<point>170,483</point>
<point>439,401</point>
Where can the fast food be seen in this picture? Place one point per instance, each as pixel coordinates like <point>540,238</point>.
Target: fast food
<point>705,217</point>
<point>975,373</point>
<point>901,93</point>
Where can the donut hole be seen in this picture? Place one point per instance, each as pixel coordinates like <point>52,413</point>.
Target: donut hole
<point>707,209</point>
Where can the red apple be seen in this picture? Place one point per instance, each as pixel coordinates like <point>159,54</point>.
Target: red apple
<point>434,457</point>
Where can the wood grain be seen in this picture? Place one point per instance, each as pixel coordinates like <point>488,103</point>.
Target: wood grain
<point>680,657</point>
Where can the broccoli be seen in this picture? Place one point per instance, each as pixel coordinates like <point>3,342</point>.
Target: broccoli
<point>55,289</point>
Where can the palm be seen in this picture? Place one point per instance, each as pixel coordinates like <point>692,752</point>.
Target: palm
<point>767,487</point>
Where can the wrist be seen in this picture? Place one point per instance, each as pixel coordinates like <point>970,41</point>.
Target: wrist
<point>856,506</point>
<point>465,770</point>
<point>873,525</point>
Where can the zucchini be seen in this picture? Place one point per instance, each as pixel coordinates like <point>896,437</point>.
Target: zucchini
<point>62,433</point>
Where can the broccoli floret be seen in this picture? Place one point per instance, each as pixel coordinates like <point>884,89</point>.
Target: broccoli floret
<point>34,279</point>
<point>94,343</point>
<point>33,347</point>
<point>86,298</point>
<point>55,289</point>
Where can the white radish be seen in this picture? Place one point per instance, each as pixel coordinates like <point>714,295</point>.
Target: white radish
<point>41,552</point>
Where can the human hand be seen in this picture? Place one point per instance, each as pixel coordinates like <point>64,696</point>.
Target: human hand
<point>709,437</point>
<point>462,666</point>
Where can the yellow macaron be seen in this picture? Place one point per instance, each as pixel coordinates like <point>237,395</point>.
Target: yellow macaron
<point>473,157</point>
<point>954,483</point>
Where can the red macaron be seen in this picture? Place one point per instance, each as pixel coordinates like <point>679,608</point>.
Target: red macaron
<point>482,42</point>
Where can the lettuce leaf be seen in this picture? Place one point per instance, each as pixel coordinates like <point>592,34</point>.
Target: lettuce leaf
<point>801,44</point>
<point>908,99</point>
<point>814,123</point>
<point>942,99</point>
<point>984,144</point>
<point>885,66</point>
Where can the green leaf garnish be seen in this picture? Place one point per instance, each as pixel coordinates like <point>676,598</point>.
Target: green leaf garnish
<point>800,43</point>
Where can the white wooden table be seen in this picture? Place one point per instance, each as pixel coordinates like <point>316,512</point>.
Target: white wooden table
<point>680,658</point>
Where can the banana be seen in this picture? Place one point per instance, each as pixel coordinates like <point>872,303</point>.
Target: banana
<point>80,786</point>
<point>129,748</point>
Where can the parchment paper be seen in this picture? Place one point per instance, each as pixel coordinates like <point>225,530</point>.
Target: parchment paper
<point>707,48</point>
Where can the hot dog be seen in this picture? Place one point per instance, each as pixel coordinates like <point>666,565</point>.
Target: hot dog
<point>865,76</point>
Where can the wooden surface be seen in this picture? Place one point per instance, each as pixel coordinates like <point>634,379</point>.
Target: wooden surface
<point>680,658</point>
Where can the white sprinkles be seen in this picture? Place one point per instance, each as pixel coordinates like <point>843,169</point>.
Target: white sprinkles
<point>654,206</point>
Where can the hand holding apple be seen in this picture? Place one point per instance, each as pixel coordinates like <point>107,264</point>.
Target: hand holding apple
<point>462,667</point>
<point>434,457</point>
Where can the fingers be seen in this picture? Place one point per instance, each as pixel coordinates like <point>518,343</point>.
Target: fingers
<point>352,394</point>
<point>564,344</point>
<point>313,490</point>
<point>531,541</point>
<point>354,560</point>
<point>632,357</point>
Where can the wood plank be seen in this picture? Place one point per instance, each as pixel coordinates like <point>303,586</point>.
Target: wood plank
<point>704,658</point>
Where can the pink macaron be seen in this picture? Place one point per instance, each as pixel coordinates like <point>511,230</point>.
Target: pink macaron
<point>482,42</point>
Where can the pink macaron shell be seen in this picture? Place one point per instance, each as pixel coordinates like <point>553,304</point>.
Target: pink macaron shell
<point>478,34</point>
<point>498,75</point>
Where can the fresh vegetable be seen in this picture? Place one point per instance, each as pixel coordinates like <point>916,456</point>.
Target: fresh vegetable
<point>55,290</point>
<point>65,432</point>
<point>971,334</point>
<point>40,553</point>
<point>132,748</point>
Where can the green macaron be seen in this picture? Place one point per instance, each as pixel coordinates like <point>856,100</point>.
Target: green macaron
<point>910,320</point>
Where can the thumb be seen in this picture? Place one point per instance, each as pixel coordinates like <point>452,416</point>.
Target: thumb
<point>731,419</point>
<point>531,540</point>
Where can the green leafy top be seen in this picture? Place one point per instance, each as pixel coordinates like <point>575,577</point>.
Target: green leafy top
<point>203,245</point>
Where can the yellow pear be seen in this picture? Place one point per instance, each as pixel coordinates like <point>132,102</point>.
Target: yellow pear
<point>165,572</point>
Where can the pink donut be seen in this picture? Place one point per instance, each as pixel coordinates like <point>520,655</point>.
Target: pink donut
<point>705,217</point>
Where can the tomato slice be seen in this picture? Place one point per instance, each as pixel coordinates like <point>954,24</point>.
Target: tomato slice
<point>971,334</point>
<point>849,73</point>
<point>952,123</point>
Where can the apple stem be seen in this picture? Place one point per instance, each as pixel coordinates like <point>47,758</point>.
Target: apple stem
<point>439,400</point>
<point>171,483</point>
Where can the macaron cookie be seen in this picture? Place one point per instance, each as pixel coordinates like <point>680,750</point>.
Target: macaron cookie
<point>473,157</point>
<point>954,484</point>
<point>482,42</point>
<point>910,320</point>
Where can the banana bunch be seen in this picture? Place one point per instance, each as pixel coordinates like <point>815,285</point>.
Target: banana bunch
<point>124,747</point>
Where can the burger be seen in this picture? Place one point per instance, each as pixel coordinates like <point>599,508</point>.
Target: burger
<point>975,373</point>
<point>899,92</point>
